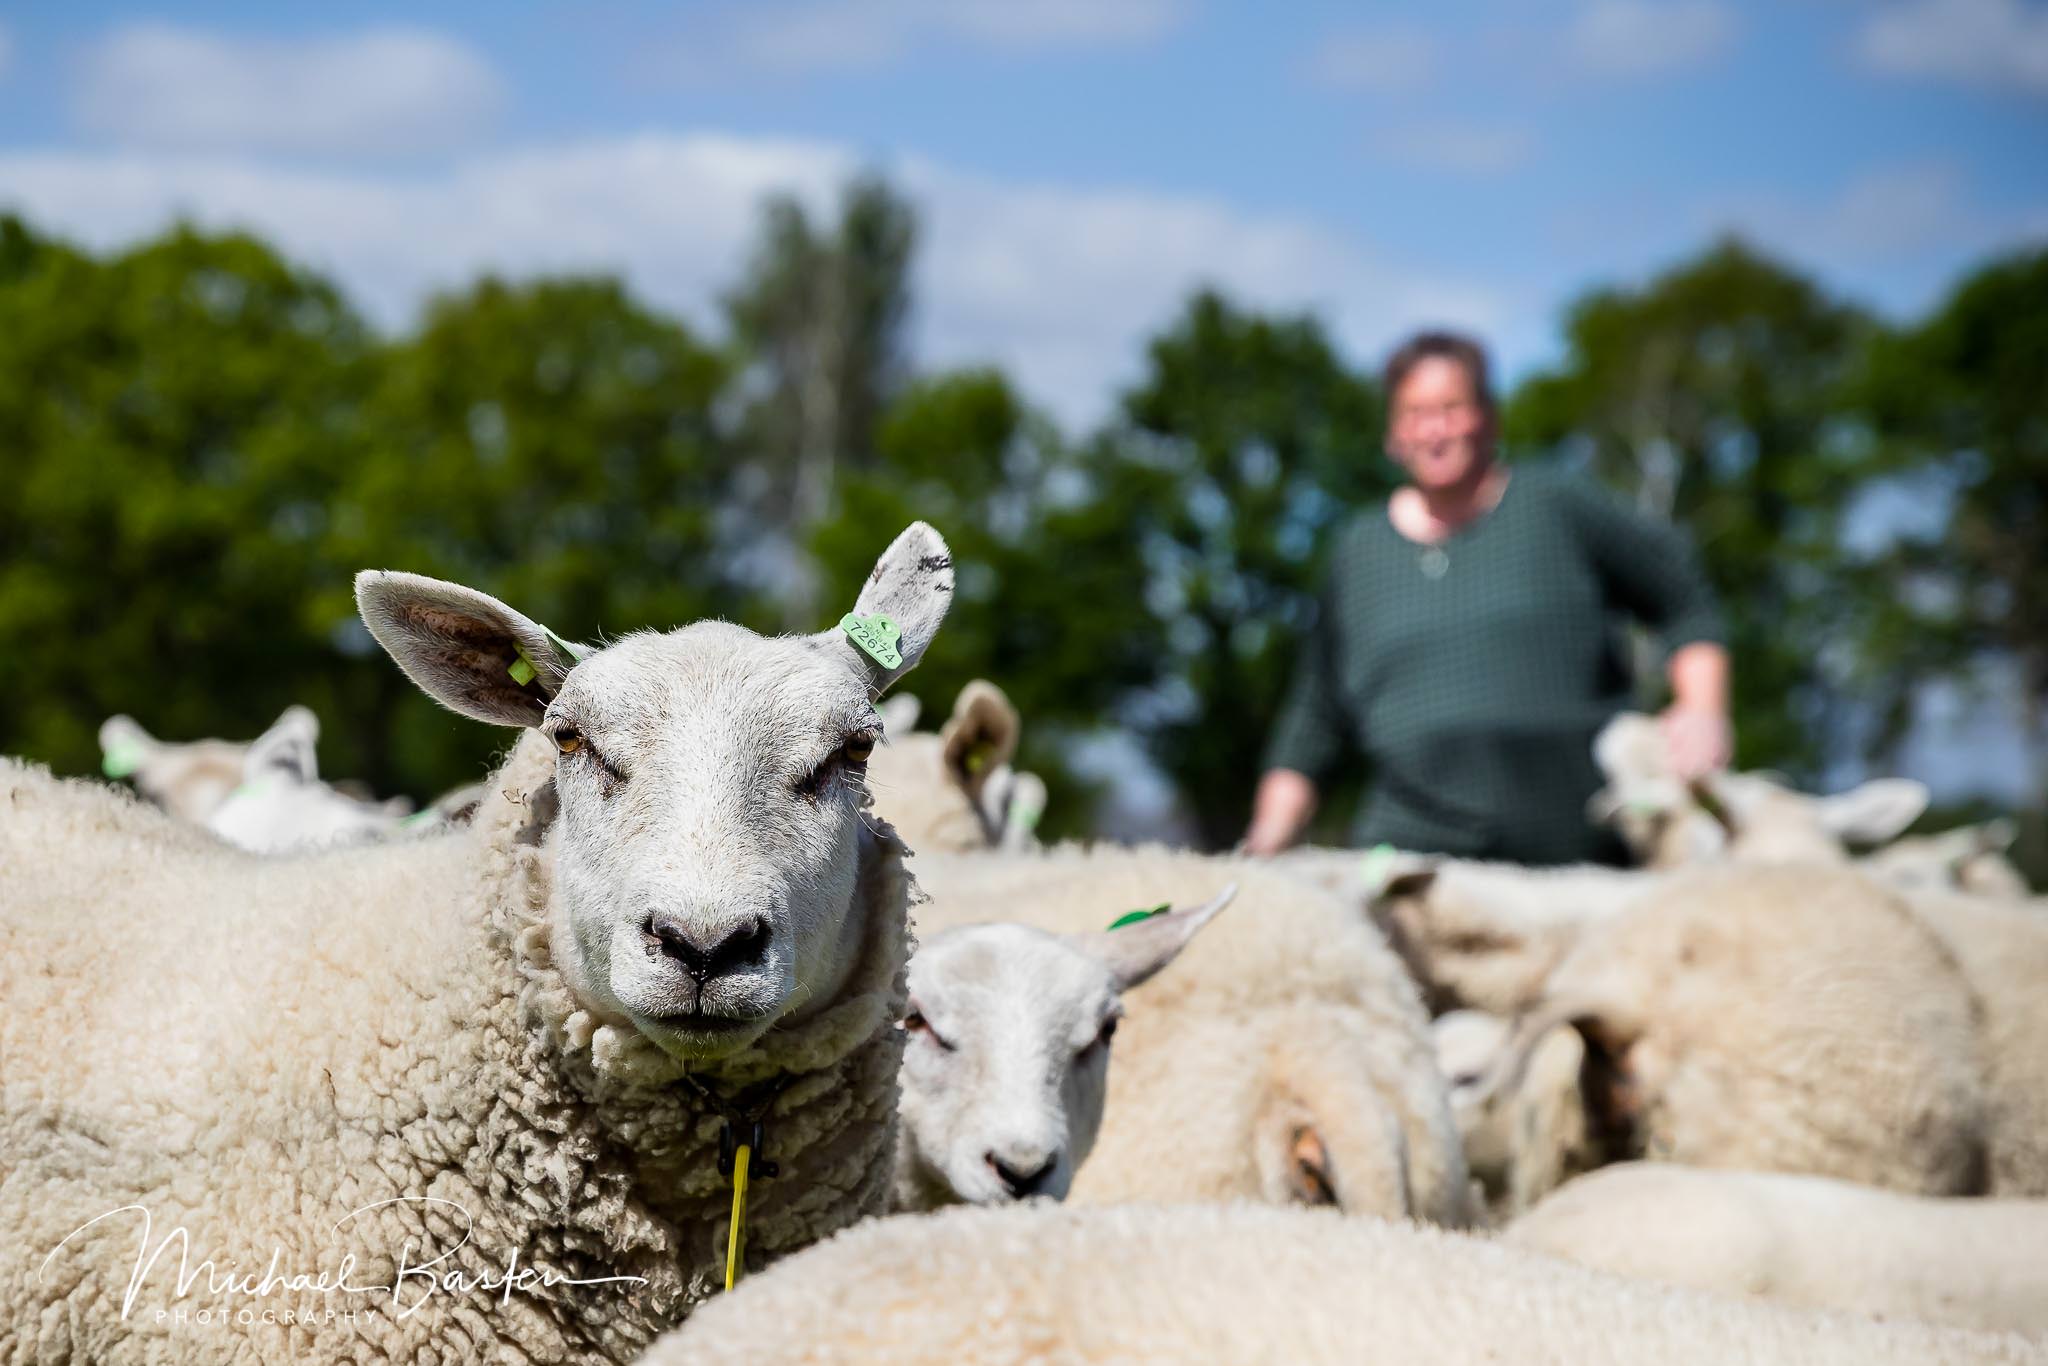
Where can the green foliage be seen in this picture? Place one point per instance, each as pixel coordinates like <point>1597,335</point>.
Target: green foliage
<point>175,418</point>
<point>1244,443</point>
<point>1962,402</point>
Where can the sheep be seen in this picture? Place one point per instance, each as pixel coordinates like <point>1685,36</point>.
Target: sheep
<point>1749,817</point>
<point>955,791</point>
<point>1486,936</point>
<point>282,804</point>
<point>1056,1283</point>
<point>1970,858</point>
<point>186,779</point>
<point>1805,1240</point>
<point>1523,1142</point>
<point>1009,1052</point>
<point>469,1092</point>
<point>1798,1019</point>
<point>1285,1058</point>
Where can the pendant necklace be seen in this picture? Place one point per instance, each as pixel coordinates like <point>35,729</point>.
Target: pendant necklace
<point>1434,561</point>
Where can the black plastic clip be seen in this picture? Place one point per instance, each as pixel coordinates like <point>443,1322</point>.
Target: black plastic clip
<point>729,1146</point>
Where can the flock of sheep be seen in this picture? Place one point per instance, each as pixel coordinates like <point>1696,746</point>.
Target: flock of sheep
<point>287,1074</point>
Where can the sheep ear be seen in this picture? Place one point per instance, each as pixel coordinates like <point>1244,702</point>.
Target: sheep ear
<point>1140,949</point>
<point>980,736</point>
<point>290,747</point>
<point>465,649</point>
<point>1874,812</point>
<point>1994,836</point>
<point>899,714</point>
<point>899,609</point>
<point>125,746</point>
<point>1385,873</point>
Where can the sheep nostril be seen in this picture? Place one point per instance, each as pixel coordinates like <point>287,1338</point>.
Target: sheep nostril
<point>717,952</point>
<point>1024,1176</point>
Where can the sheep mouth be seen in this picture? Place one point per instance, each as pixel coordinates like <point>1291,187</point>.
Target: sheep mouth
<point>698,1022</point>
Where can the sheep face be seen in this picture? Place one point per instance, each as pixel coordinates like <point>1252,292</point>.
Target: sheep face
<point>710,838</point>
<point>711,786</point>
<point>1008,1061</point>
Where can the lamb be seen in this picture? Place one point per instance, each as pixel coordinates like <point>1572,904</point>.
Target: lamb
<point>1970,858</point>
<point>1285,1057</point>
<point>469,1092</point>
<point>1009,1052</point>
<point>1056,1283</point>
<point>1797,1019</point>
<point>186,779</point>
<point>1749,817</point>
<point>1524,1141</point>
<point>282,804</point>
<point>955,791</point>
<point>1805,1240</point>
<point>1486,936</point>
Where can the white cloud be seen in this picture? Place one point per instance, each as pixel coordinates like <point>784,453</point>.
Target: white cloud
<point>1632,38</point>
<point>1389,61</point>
<point>381,90</point>
<point>1993,43</point>
<point>830,35</point>
<point>1058,285</point>
<point>1468,149</point>
<point>1882,216</point>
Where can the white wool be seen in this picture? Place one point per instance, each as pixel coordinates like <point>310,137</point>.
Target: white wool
<point>1051,1283</point>
<point>1805,1240</point>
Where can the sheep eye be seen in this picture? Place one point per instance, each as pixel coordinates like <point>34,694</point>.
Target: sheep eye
<point>915,1023</point>
<point>858,748</point>
<point>1101,1039</point>
<point>568,740</point>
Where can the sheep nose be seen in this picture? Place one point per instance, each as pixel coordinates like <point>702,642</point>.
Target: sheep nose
<point>714,952</point>
<point>1023,1172</point>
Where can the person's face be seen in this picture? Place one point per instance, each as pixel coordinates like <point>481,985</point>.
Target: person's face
<point>1436,428</point>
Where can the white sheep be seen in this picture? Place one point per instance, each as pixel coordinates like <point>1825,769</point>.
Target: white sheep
<point>1009,1051</point>
<point>1750,817</point>
<point>281,803</point>
<point>1794,1018</point>
<point>955,791</point>
<point>1970,858</point>
<point>1057,1283</point>
<point>1285,1057</point>
<point>188,779</point>
<point>1521,1141</point>
<point>1805,1240</point>
<point>448,1066</point>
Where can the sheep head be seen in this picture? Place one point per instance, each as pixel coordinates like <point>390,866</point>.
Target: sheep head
<point>710,783</point>
<point>1008,1063</point>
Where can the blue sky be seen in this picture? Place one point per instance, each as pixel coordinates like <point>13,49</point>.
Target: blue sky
<point>1081,163</point>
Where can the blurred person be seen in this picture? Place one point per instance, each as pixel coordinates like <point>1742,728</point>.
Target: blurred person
<point>1468,641</point>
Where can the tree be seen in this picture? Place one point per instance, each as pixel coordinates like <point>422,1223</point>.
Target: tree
<point>1715,394</point>
<point>1043,597</point>
<point>552,443</point>
<point>1961,406</point>
<point>819,319</point>
<point>176,418</point>
<point>1244,443</point>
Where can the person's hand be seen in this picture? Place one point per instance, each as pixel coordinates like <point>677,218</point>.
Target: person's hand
<point>1699,740</point>
<point>1281,807</point>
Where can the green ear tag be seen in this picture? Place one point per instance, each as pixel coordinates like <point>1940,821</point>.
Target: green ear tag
<point>877,635</point>
<point>521,669</point>
<point>1133,917</point>
<point>1378,862</point>
<point>122,760</point>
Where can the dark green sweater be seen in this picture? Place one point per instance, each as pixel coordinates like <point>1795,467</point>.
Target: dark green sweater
<point>1473,676</point>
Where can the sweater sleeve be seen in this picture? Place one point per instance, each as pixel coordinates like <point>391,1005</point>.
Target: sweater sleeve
<point>1309,736</point>
<point>1648,567</point>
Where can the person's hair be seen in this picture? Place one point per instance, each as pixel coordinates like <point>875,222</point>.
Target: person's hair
<point>1451,346</point>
